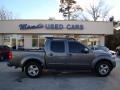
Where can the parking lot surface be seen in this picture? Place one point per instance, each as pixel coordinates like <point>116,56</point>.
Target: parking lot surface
<point>14,79</point>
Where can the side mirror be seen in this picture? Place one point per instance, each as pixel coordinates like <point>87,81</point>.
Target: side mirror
<point>85,50</point>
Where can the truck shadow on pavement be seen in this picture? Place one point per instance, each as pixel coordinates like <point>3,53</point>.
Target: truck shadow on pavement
<point>68,74</point>
<point>52,75</point>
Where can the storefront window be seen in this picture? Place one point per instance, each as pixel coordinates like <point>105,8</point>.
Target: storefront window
<point>89,39</point>
<point>21,43</point>
<point>41,42</point>
<point>14,41</point>
<point>35,41</point>
<point>6,40</point>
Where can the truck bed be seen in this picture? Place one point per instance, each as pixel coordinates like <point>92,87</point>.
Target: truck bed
<point>19,55</point>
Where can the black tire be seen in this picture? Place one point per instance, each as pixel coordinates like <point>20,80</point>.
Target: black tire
<point>33,69</point>
<point>103,68</point>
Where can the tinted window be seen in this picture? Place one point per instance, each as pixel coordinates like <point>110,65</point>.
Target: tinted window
<point>75,47</point>
<point>57,46</point>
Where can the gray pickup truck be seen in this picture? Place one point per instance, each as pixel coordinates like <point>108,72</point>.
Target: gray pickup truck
<point>62,54</point>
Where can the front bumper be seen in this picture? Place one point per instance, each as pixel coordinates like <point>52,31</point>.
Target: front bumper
<point>114,63</point>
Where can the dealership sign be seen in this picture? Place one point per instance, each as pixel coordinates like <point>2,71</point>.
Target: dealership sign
<point>51,26</point>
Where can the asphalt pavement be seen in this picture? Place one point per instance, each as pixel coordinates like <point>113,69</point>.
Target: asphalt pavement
<point>14,79</point>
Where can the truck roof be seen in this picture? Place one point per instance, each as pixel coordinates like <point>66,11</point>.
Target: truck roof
<point>53,38</point>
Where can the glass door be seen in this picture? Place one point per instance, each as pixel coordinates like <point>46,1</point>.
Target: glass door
<point>13,42</point>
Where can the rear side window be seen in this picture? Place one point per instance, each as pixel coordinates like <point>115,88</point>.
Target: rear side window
<point>57,46</point>
<point>75,47</point>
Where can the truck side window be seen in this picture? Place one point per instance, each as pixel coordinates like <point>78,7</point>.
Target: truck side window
<point>75,47</point>
<point>57,46</point>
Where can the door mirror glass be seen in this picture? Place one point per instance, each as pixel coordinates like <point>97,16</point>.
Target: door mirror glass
<point>85,50</point>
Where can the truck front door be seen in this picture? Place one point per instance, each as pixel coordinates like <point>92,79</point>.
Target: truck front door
<point>79,57</point>
<point>56,55</point>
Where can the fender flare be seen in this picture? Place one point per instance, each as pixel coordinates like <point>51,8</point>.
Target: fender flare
<point>27,59</point>
<point>101,58</point>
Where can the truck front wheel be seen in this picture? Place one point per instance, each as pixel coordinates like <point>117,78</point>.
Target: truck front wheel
<point>103,68</point>
<point>33,69</point>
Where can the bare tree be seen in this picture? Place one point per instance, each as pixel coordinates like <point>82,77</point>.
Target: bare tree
<point>51,18</point>
<point>68,7</point>
<point>98,10</point>
<point>5,14</point>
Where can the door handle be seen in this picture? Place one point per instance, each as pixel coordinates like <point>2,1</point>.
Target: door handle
<point>69,54</point>
<point>51,54</point>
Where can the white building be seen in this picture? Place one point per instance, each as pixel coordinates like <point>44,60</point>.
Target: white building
<point>31,33</point>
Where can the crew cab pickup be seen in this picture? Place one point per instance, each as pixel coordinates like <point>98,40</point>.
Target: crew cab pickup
<point>62,54</point>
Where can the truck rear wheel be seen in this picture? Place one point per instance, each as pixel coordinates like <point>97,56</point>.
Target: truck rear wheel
<point>103,68</point>
<point>33,69</point>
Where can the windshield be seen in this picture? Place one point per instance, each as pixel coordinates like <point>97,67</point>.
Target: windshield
<point>99,48</point>
<point>102,48</point>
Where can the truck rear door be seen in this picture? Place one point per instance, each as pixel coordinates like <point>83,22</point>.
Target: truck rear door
<point>56,54</point>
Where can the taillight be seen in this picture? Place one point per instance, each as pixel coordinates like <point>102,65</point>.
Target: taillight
<point>10,55</point>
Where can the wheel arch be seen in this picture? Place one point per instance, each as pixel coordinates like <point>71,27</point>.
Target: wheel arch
<point>95,62</point>
<point>26,61</point>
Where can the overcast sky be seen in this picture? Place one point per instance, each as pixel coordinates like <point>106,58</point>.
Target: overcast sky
<point>43,9</point>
